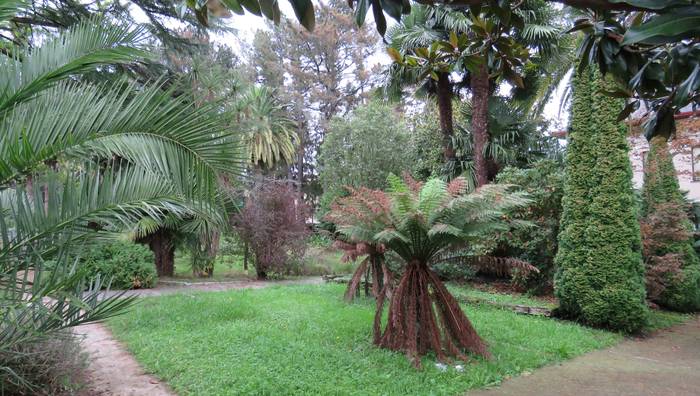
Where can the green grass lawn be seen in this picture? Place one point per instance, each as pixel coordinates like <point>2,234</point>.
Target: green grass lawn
<point>296,340</point>
<point>462,290</point>
<point>317,261</point>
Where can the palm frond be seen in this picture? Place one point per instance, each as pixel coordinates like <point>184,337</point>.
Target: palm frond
<point>91,43</point>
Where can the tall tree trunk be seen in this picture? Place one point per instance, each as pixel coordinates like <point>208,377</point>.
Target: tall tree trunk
<point>480,122</point>
<point>300,159</point>
<point>444,99</point>
<point>163,248</point>
<point>245,256</point>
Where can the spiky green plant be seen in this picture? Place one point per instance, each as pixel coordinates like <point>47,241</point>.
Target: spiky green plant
<point>81,162</point>
<point>268,133</point>
<point>424,225</point>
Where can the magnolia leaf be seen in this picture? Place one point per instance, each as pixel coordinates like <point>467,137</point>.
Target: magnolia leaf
<point>631,107</point>
<point>361,12</point>
<point>304,10</point>
<point>394,54</point>
<point>454,40</point>
<point>234,6</point>
<point>652,4</point>
<point>691,84</point>
<point>266,7</point>
<point>252,6</point>
<point>379,17</point>
<point>682,23</point>
<point>393,7</point>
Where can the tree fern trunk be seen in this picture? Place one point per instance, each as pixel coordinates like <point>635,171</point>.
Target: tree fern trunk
<point>423,316</point>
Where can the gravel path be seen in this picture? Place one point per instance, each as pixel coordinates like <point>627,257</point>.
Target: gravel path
<point>113,371</point>
<point>666,364</point>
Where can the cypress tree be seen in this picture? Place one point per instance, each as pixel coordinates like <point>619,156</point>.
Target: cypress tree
<point>600,274</point>
<point>662,198</point>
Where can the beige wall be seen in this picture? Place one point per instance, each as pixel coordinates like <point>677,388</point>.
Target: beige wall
<point>687,137</point>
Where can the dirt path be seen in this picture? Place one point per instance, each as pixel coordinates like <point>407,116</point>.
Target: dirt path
<point>114,372</point>
<point>667,364</point>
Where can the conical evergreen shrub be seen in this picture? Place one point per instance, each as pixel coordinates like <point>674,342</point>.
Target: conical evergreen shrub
<point>600,274</point>
<point>662,201</point>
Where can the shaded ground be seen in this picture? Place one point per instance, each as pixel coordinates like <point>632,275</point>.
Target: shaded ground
<point>114,372</point>
<point>666,364</point>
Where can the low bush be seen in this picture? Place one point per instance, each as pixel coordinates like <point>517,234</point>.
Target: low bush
<point>126,264</point>
<point>449,271</point>
<point>672,265</point>
<point>53,366</point>
<point>273,223</point>
<point>544,183</point>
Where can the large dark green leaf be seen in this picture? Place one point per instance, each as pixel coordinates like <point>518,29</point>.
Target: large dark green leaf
<point>691,84</point>
<point>361,12</point>
<point>653,4</point>
<point>267,7</point>
<point>252,6</point>
<point>304,11</point>
<point>379,17</point>
<point>393,7</point>
<point>234,6</point>
<point>681,23</point>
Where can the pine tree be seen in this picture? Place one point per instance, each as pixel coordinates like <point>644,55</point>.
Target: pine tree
<point>663,206</point>
<point>600,276</point>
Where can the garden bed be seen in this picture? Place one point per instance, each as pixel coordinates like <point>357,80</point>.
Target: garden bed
<point>306,340</point>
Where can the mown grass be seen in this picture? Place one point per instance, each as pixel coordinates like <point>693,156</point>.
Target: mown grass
<point>462,290</point>
<point>304,340</point>
<point>317,261</point>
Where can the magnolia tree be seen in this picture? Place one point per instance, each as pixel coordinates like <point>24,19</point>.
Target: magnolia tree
<point>425,224</point>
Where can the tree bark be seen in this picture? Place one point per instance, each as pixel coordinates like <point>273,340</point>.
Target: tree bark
<point>245,256</point>
<point>423,316</point>
<point>480,122</point>
<point>300,159</point>
<point>163,248</point>
<point>444,99</point>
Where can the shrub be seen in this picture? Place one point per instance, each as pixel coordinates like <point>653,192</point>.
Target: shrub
<point>449,271</point>
<point>53,366</point>
<point>673,267</point>
<point>128,265</point>
<point>544,183</point>
<point>273,222</point>
<point>600,274</point>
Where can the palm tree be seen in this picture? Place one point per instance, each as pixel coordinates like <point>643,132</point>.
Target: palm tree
<point>515,138</point>
<point>82,162</point>
<point>434,41</point>
<point>423,225</point>
<point>268,132</point>
<point>418,62</point>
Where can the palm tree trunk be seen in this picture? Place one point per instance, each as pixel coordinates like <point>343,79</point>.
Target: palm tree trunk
<point>163,248</point>
<point>480,122</point>
<point>444,99</point>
